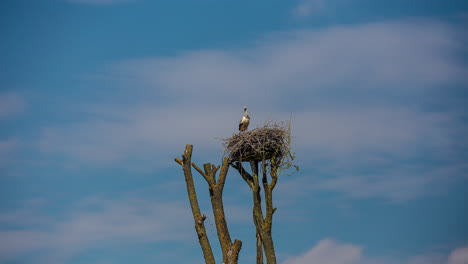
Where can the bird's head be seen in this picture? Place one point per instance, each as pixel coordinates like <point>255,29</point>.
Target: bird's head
<point>245,108</point>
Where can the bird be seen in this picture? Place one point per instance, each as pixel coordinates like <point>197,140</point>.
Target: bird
<point>245,120</point>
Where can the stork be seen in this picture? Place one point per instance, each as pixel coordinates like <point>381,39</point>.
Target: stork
<point>244,122</point>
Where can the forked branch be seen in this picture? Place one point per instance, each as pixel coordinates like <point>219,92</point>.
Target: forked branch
<point>198,218</point>
<point>229,249</point>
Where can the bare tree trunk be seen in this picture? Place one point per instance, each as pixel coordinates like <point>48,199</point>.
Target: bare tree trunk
<point>259,248</point>
<point>262,224</point>
<point>229,249</point>
<point>198,218</point>
<point>268,189</point>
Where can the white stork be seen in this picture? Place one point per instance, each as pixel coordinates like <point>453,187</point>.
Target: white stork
<point>244,122</point>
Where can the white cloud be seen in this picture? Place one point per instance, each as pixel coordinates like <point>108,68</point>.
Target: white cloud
<point>94,223</point>
<point>329,251</point>
<point>388,129</point>
<point>343,82</point>
<point>352,139</point>
<point>145,132</point>
<point>358,94</point>
<point>376,61</point>
<point>153,131</point>
<point>458,256</point>
<point>392,182</point>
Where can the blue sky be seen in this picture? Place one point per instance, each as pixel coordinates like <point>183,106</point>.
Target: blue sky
<point>98,96</point>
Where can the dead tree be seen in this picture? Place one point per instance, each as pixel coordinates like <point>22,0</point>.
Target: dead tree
<point>229,249</point>
<point>267,150</point>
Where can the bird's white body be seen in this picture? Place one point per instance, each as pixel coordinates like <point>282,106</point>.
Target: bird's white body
<point>244,122</point>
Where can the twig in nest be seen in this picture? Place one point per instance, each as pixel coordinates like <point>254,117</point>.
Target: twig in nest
<point>264,143</point>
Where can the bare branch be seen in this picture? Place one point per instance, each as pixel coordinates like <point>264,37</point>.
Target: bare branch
<point>245,175</point>
<point>209,172</point>
<point>274,175</point>
<point>259,248</point>
<point>264,175</point>
<point>207,178</point>
<point>218,210</point>
<point>197,216</point>
<point>202,219</point>
<point>223,172</point>
<point>233,254</point>
<point>215,168</point>
<point>258,144</point>
<point>230,250</point>
<point>254,167</point>
<point>179,161</point>
<point>266,235</point>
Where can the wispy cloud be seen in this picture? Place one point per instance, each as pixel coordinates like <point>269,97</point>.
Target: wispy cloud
<point>307,7</point>
<point>11,104</point>
<point>386,129</point>
<point>329,251</point>
<point>7,149</point>
<point>332,252</point>
<point>377,61</point>
<point>92,223</point>
<point>361,95</point>
<point>7,146</point>
<point>398,185</point>
<point>458,256</point>
<point>149,131</point>
<point>349,86</point>
<point>392,182</point>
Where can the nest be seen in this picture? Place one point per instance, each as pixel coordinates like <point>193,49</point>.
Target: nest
<point>264,143</point>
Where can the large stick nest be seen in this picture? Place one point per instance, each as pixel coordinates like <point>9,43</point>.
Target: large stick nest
<point>264,143</point>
